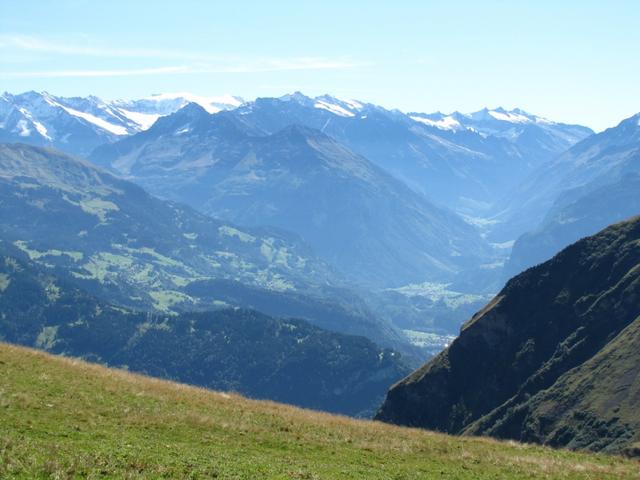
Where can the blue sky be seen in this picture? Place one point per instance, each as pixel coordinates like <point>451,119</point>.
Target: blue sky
<point>572,61</point>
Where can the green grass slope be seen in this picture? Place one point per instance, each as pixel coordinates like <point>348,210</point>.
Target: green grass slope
<point>68,419</point>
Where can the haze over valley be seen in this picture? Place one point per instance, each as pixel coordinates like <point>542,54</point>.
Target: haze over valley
<point>298,255</point>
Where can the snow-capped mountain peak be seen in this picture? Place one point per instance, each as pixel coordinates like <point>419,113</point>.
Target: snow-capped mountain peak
<point>515,116</point>
<point>337,106</point>
<point>504,116</point>
<point>297,97</point>
<point>78,124</point>
<point>496,121</point>
<point>213,104</point>
<point>146,111</point>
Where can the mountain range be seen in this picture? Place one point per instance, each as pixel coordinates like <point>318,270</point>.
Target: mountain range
<point>463,161</point>
<point>357,217</point>
<point>591,185</point>
<point>79,124</point>
<point>478,180</point>
<point>128,248</point>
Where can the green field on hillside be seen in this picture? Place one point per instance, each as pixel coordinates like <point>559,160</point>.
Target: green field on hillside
<point>67,419</point>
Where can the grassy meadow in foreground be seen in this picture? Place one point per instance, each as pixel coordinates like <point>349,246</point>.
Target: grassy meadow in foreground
<point>62,418</point>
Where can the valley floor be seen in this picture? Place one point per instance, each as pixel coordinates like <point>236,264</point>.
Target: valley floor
<point>62,418</point>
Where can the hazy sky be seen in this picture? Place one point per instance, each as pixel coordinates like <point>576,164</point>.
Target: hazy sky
<point>572,61</point>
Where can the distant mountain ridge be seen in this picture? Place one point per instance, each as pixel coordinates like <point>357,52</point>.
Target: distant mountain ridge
<point>478,156</point>
<point>357,217</point>
<point>576,214</point>
<point>464,168</point>
<point>593,184</point>
<point>597,160</point>
<point>79,124</point>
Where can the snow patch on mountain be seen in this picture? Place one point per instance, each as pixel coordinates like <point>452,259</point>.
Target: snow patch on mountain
<point>333,108</point>
<point>143,120</point>
<point>109,127</point>
<point>210,104</point>
<point>354,104</point>
<point>343,108</point>
<point>42,116</point>
<point>511,117</point>
<point>445,123</point>
<point>23,128</point>
<point>42,130</point>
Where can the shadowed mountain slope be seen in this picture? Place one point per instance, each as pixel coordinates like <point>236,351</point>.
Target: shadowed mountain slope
<point>553,358</point>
